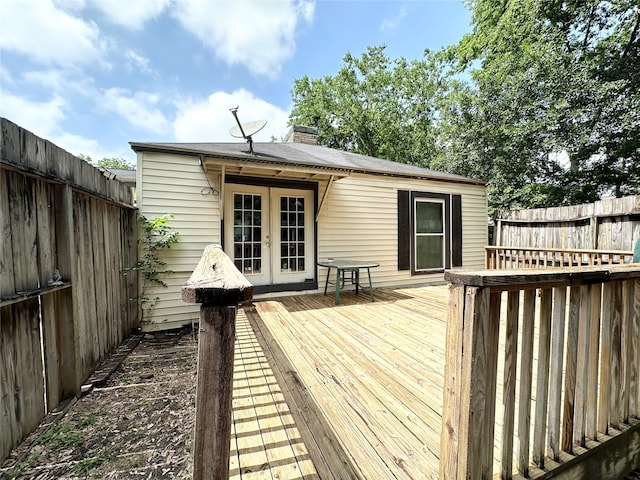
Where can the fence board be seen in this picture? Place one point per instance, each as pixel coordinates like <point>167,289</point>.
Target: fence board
<point>57,212</point>
<point>23,217</point>
<point>608,224</point>
<point>7,282</point>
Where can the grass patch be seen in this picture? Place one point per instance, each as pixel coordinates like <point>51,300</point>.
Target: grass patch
<point>85,466</point>
<point>61,435</point>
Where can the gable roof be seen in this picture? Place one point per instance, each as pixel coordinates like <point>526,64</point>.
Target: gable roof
<point>303,155</point>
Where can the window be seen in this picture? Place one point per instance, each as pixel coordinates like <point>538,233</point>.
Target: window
<point>429,231</point>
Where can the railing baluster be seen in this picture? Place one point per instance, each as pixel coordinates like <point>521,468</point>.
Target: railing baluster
<point>615,412</point>
<point>542,385</point>
<point>582,364</point>
<point>526,368</point>
<point>591,415</point>
<point>555,380</point>
<point>608,298</point>
<point>509,383</point>
<point>634,394</point>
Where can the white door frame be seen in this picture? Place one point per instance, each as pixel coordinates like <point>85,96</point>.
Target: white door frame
<point>277,254</point>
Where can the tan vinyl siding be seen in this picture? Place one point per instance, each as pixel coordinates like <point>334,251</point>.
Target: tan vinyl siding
<point>359,222</point>
<point>177,185</point>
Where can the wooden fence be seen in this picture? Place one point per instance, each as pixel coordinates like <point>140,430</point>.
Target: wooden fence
<point>554,356</point>
<point>608,224</point>
<point>59,215</point>
<point>501,257</point>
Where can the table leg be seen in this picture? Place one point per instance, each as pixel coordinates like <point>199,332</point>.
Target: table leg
<point>370,286</point>
<point>327,280</point>
<point>357,272</point>
<point>338,281</point>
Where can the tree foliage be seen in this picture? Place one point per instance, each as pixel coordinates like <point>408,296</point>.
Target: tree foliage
<point>552,114</point>
<point>374,106</point>
<point>109,162</point>
<point>541,100</point>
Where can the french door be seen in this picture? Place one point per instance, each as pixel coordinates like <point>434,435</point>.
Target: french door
<point>269,233</point>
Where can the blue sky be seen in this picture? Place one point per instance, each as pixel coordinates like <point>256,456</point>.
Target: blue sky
<point>93,75</point>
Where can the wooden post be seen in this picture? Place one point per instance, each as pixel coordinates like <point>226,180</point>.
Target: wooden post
<point>218,285</point>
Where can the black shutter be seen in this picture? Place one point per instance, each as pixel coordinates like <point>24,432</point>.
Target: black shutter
<point>404,231</point>
<point>456,230</point>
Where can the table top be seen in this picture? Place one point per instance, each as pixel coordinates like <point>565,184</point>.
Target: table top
<point>346,264</point>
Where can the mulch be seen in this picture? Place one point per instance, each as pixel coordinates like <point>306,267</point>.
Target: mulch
<point>135,423</point>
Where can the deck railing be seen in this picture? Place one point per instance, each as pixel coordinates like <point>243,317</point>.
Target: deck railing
<point>218,285</point>
<point>558,351</point>
<point>503,257</point>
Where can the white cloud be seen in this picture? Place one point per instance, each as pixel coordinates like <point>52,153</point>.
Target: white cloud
<point>131,14</point>
<point>47,34</point>
<point>77,145</point>
<point>137,62</point>
<point>393,22</point>
<point>40,118</point>
<point>140,109</point>
<point>257,34</point>
<point>62,82</point>
<point>209,120</point>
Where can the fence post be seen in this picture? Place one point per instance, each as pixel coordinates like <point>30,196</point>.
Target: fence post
<point>470,382</point>
<point>218,285</point>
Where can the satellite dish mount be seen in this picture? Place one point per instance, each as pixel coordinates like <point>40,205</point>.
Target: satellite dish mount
<point>246,130</point>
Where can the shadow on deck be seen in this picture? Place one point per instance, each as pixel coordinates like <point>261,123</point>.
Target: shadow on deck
<point>364,380</point>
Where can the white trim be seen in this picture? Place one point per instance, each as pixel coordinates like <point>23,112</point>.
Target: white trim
<point>415,234</point>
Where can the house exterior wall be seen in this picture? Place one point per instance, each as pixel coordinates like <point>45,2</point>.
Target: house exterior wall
<point>359,220</point>
<point>177,185</point>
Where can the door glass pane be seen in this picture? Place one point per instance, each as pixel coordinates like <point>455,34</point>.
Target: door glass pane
<point>292,229</point>
<point>247,234</point>
<point>429,252</point>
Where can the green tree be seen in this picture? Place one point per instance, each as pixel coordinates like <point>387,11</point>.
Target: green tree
<point>551,114</point>
<point>109,162</point>
<point>373,106</point>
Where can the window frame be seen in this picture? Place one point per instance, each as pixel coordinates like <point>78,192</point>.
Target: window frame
<point>415,234</point>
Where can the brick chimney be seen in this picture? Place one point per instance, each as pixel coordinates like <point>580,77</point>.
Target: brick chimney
<point>301,134</point>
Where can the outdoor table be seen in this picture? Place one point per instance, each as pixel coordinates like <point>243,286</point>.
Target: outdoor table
<point>343,266</point>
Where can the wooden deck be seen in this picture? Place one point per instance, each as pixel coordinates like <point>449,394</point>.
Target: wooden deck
<point>265,441</point>
<point>364,379</point>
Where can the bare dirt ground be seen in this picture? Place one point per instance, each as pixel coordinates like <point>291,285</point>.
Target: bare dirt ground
<point>137,425</point>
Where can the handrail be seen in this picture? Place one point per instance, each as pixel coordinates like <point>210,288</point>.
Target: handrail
<point>584,378</point>
<point>503,256</point>
<point>217,284</point>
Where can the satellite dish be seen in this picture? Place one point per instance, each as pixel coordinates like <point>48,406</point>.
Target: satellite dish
<point>246,130</point>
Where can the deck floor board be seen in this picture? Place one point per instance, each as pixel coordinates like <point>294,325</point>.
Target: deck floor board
<point>374,369</point>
